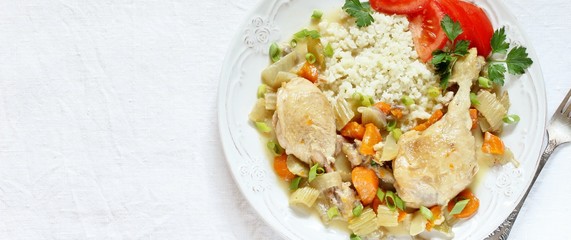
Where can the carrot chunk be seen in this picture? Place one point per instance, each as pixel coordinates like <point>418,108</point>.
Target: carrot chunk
<point>384,107</point>
<point>493,144</point>
<point>280,166</point>
<point>366,183</point>
<point>371,137</point>
<point>474,117</point>
<point>309,72</point>
<point>471,207</point>
<point>437,115</point>
<point>353,130</point>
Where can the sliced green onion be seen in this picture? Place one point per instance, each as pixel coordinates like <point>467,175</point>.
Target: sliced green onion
<point>399,202</point>
<point>328,51</point>
<point>275,148</point>
<point>484,82</point>
<point>509,119</point>
<point>317,14</point>
<point>374,164</point>
<point>332,212</point>
<point>426,213</point>
<point>313,34</point>
<point>301,34</point>
<point>275,52</point>
<point>358,210</point>
<point>474,99</point>
<point>263,127</point>
<point>367,101</point>
<point>391,125</point>
<point>294,185</point>
<point>320,171</point>
<point>390,195</point>
<point>262,89</point>
<point>293,43</point>
<point>459,206</point>
<point>307,33</point>
<point>354,237</point>
<point>396,133</point>
<point>313,172</point>
<point>380,194</point>
<point>310,58</point>
<point>406,100</point>
<point>433,92</point>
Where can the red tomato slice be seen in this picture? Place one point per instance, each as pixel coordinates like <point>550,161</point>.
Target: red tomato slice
<point>399,6</point>
<point>476,25</point>
<point>427,34</point>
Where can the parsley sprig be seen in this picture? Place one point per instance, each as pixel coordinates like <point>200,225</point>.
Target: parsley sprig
<point>444,60</point>
<point>361,11</point>
<point>516,60</point>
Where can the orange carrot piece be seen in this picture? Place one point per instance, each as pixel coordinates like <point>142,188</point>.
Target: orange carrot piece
<point>493,144</point>
<point>397,112</point>
<point>366,183</point>
<point>420,127</point>
<point>436,211</point>
<point>474,117</point>
<point>429,225</point>
<point>470,208</point>
<point>372,136</point>
<point>309,72</point>
<point>402,215</point>
<point>384,107</point>
<point>280,166</point>
<point>376,203</point>
<point>437,115</point>
<point>353,130</point>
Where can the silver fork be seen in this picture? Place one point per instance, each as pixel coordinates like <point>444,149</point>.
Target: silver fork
<point>558,132</point>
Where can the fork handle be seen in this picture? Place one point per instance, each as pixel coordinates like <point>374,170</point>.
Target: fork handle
<point>503,231</point>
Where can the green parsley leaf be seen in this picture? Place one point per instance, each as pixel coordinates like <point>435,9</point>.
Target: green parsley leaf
<point>517,60</point>
<point>439,57</point>
<point>499,44</point>
<point>461,47</point>
<point>360,11</point>
<point>496,73</point>
<point>451,28</point>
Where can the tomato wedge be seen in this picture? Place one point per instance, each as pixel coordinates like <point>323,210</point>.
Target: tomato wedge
<point>399,6</point>
<point>427,33</point>
<point>476,25</point>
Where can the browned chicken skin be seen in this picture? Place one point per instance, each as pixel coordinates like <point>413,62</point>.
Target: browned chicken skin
<point>434,165</point>
<point>304,122</point>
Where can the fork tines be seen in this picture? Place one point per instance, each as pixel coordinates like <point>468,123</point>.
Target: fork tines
<point>562,108</point>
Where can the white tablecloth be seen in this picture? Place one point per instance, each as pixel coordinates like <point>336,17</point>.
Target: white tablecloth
<point>108,123</point>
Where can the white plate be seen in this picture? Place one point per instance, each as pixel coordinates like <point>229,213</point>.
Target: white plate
<point>277,20</point>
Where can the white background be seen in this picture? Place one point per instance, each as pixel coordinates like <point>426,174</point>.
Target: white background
<point>108,123</point>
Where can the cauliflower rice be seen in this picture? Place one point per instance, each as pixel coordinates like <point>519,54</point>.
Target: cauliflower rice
<point>378,61</point>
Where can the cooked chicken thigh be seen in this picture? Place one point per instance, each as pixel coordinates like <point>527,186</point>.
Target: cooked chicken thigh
<point>304,122</point>
<point>436,164</point>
